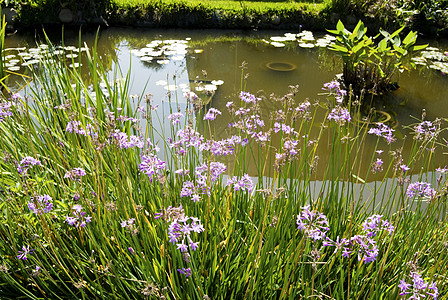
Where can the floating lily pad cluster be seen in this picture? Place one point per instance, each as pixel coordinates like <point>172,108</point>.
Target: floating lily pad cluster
<point>163,51</point>
<point>305,39</point>
<point>433,58</point>
<point>17,58</point>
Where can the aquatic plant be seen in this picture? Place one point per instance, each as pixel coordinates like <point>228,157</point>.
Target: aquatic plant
<point>370,66</point>
<point>98,200</point>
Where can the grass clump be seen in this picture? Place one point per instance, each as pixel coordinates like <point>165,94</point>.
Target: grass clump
<point>105,196</point>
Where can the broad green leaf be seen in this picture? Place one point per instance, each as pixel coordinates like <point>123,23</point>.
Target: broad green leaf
<point>410,38</point>
<point>396,41</point>
<point>383,45</point>
<point>340,27</point>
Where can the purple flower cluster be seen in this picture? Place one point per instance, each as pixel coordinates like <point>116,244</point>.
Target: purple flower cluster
<point>248,97</point>
<point>377,166</point>
<point>181,228</point>
<point>5,110</point>
<point>75,127</point>
<point>373,224</point>
<point>212,170</point>
<point>152,166</point>
<point>340,115</point>
<point>334,87</point>
<point>179,232</point>
<point>419,288</point>
<point>288,153</point>
<point>315,226</point>
<point>425,130</point>
<point>206,174</point>
<point>75,174</point>
<point>175,118</point>
<point>421,189</point>
<point>41,204</point>
<point>248,123</point>
<point>127,223</point>
<point>189,189</point>
<point>79,218</point>
<point>186,272</point>
<point>223,147</point>
<point>124,141</point>
<point>244,184</point>
<point>187,138</point>
<point>26,163</point>
<point>24,252</point>
<point>212,114</point>
<point>303,109</point>
<point>283,127</point>
<point>313,223</point>
<point>364,243</point>
<point>384,131</point>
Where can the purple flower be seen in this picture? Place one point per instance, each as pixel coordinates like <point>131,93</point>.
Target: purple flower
<point>152,166</point>
<point>210,171</point>
<point>124,141</point>
<point>425,130</point>
<point>384,131</point>
<point>75,174</point>
<point>340,115</point>
<point>421,189</point>
<point>78,218</point>
<point>127,223</point>
<point>186,272</point>
<point>182,247</point>
<point>313,223</point>
<point>373,224</point>
<point>377,165</point>
<point>182,172</point>
<point>442,170</point>
<point>41,204</point>
<point>244,184</point>
<point>223,147</point>
<point>26,163</point>
<point>419,287</point>
<point>403,286</point>
<point>131,250</point>
<point>5,110</point>
<point>334,87</point>
<point>24,252</point>
<point>303,108</point>
<point>181,228</point>
<point>175,117</point>
<point>212,114</point>
<point>75,127</point>
<point>248,97</point>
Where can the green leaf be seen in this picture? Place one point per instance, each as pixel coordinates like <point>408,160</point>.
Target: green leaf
<point>396,32</point>
<point>385,34</point>
<point>340,27</point>
<point>383,45</point>
<point>400,50</point>
<point>419,47</point>
<point>410,38</point>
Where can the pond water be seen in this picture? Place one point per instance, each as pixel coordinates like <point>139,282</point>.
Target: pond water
<point>165,62</point>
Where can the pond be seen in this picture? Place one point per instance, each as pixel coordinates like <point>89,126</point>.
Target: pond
<point>165,63</point>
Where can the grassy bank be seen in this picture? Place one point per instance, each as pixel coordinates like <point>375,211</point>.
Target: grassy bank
<point>426,16</point>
